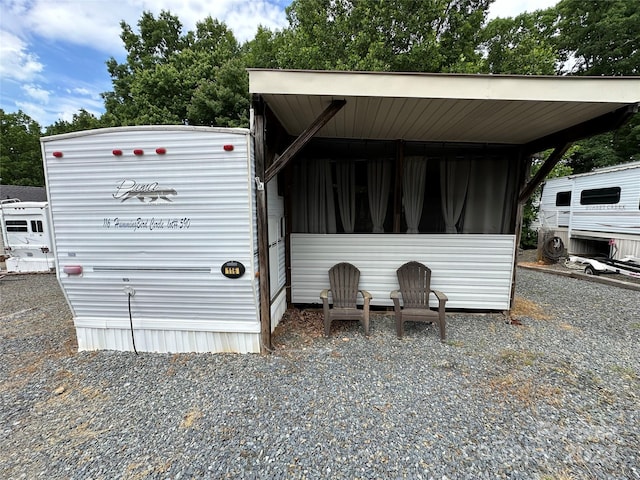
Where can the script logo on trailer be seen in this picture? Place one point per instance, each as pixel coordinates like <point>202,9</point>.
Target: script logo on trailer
<point>145,192</point>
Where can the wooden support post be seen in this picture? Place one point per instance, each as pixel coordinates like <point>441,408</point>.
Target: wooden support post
<point>397,190</point>
<point>263,232</point>
<point>523,174</point>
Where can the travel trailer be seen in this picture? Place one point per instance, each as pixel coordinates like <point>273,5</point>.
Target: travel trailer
<point>155,238</point>
<point>26,236</point>
<point>595,213</point>
<point>180,238</point>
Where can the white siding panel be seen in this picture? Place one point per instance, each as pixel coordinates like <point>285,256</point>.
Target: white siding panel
<point>550,215</point>
<point>168,248</point>
<point>620,218</point>
<point>474,271</point>
<point>167,341</point>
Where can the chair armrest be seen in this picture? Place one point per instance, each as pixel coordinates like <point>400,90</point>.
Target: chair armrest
<point>439,295</point>
<point>366,295</point>
<point>324,294</point>
<point>395,294</point>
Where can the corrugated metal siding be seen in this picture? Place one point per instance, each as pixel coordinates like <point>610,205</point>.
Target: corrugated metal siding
<point>167,341</point>
<point>620,218</point>
<point>174,265</point>
<point>474,271</point>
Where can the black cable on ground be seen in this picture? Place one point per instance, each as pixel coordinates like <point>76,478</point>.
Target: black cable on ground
<point>133,339</point>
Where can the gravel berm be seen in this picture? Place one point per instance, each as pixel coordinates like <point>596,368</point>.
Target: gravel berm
<point>552,392</point>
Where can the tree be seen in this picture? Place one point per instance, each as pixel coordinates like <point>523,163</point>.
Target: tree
<point>602,38</point>
<point>20,157</point>
<point>524,45</point>
<point>82,120</point>
<point>170,77</point>
<point>400,35</point>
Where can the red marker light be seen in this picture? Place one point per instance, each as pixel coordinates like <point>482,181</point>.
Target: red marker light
<point>228,148</point>
<point>72,269</point>
<point>138,151</point>
<point>117,153</point>
<point>57,154</point>
<point>161,151</point>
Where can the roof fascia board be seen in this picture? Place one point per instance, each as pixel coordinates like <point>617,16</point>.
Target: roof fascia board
<point>445,86</point>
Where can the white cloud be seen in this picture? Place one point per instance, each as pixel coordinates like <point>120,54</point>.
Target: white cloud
<point>36,92</point>
<point>16,62</point>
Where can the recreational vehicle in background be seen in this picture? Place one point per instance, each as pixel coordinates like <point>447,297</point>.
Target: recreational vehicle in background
<point>155,238</point>
<point>26,236</point>
<point>595,213</point>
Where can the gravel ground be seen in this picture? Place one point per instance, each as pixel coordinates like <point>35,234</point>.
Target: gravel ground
<point>551,393</point>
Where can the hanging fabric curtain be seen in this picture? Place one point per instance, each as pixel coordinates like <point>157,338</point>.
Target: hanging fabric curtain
<point>346,180</point>
<point>413,182</point>
<point>378,184</point>
<point>488,201</point>
<point>314,207</point>
<point>454,181</point>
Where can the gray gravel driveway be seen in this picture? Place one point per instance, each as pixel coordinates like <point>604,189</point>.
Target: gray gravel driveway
<point>552,394</point>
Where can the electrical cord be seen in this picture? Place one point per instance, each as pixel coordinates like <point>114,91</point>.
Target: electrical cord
<point>133,339</point>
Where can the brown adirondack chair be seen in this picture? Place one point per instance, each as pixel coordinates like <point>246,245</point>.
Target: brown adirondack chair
<point>415,289</point>
<point>343,280</point>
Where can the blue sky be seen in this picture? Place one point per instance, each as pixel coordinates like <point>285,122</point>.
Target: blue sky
<point>53,52</point>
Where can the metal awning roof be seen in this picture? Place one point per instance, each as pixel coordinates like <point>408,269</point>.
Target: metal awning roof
<point>501,109</point>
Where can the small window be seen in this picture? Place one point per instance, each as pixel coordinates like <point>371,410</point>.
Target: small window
<point>563,199</point>
<point>600,196</point>
<point>36,226</point>
<point>17,226</point>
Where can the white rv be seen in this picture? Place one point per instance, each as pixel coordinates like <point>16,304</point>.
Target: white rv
<point>596,212</point>
<point>26,236</point>
<point>155,238</point>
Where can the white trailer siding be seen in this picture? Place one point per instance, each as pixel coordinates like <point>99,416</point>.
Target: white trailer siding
<point>590,222</point>
<point>474,271</point>
<point>26,237</point>
<point>277,260</point>
<point>619,218</point>
<point>550,214</point>
<point>168,246</point>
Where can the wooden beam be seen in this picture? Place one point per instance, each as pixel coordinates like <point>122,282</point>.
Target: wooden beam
<point>541,174</point>
<point>334,107</point>
<point>397,189</point>
<point>263,233</point>
<point>603,123</point>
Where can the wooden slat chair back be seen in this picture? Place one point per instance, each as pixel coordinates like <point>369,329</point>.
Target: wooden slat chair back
<point>414,280</point>
<point>343,280</point>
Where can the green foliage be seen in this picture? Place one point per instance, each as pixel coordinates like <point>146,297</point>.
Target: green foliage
<point>523,45</point>
<point>82,120</point>
<point>197,78</point>
<point>602,38</point>
<point>20,160</point>
<point>400,35</point>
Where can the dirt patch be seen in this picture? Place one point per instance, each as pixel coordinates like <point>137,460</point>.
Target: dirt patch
<point>526,308</point>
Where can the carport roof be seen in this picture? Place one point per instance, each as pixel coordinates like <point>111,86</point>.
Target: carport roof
<point>496,109</point>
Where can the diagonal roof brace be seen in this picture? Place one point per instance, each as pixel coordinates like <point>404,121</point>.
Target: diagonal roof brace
<point>334,107</point>
<point>541,174</point>
<point>603,123</point>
